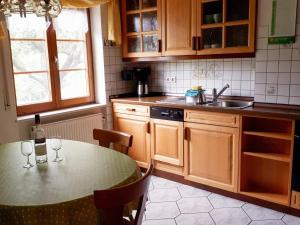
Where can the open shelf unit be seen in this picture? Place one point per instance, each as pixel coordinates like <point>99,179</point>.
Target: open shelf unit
<point>266,156</point>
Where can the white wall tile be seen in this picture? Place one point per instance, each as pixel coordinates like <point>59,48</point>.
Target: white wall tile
<point>282,100</point>
<point>284,90</point>
<point>295,78</point>
<point>284,78</point>
<point>272,78</point>
<point>295,90</point>
<point>285,66</point>
<point>295,66</point>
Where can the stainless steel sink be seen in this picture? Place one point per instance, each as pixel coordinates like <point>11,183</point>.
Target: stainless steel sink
<point>231,104</point>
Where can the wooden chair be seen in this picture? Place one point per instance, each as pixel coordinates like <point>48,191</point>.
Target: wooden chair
<point>112,202</point>
<point>121,141</point>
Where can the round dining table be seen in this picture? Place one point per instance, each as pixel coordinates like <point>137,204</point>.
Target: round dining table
<point>59,192</point>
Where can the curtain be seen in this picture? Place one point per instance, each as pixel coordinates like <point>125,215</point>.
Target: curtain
<point>114,18</point>
<point>2,30</point>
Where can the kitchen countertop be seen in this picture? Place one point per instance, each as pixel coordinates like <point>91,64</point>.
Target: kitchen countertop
<point>259,109</point>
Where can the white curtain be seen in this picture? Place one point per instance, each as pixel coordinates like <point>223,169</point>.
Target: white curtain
<point>31,24</point>
<point>71,20</point>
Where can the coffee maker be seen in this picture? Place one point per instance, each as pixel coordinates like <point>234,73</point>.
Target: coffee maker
<point>141,75</point>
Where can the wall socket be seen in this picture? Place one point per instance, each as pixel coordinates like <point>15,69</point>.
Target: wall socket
<point>171,79</point>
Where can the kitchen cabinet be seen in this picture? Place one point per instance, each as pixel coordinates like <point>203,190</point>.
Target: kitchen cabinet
<point>211,155</point>
<point>226,26</point>
<point>167,143</point>
<point>188,28</point>
<point>178,27</point>
<point>295,200</point>
<point>141,28</point>
<point>139,127</point>
<point>266,158</point>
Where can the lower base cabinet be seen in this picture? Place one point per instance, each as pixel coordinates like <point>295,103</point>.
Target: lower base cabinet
<point>139,127</point>
<point>167,145</point>
<point>211,155</point>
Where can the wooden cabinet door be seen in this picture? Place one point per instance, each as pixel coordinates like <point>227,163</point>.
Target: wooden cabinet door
<point>178,27</point>
<point>211,155</point>
<point>167,141</point>
<point>141,28</point>
<point>138,126</point>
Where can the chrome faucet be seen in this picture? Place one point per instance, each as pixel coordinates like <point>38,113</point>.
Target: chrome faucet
<point>217,95</point>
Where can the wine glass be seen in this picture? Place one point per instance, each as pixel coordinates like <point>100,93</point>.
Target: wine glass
<point>26,150</point>
<point>56,145</point>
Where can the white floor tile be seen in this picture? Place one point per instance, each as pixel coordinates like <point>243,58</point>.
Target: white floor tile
<point>164,183</point>
<point>267,222</point>
<point>230,216</point>
<point>159,222</point>
<point>194,219</point>
<point>219,201</point>
<point>291,220</point>
<point>191,192</point>
<point>194,205</point>
<point>164,195</point>
<point>165,210</point>
<point>260,213</point>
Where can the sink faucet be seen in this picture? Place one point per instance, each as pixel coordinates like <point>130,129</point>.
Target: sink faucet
<point>217,95</point>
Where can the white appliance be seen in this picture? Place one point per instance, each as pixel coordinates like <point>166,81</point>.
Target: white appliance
<point>9,131</point>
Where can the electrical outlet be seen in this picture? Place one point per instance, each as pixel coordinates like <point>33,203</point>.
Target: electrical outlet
<point>171,79</point>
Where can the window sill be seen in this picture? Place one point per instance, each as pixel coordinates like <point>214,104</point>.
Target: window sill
<point>62,112</point>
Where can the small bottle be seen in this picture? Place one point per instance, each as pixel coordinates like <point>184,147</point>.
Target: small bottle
<point>39,137</point>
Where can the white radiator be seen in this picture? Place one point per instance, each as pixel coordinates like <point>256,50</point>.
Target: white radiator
<point>78,129</point>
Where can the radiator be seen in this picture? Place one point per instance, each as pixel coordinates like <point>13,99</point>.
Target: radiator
<point>78,129</point>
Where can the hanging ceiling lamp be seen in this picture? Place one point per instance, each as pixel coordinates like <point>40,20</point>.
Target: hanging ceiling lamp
<point>47,8</point>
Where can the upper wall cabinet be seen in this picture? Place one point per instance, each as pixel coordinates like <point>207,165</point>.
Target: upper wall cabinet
<point>178,27</point>
<point>141,28</point>
<point>190,27</point>
<point>226,26</point>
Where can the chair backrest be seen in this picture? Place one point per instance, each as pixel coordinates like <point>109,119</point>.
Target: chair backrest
<point>112,201</point>
<point>122,141</point>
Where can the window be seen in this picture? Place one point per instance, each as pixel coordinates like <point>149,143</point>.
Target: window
<point>52,62</point>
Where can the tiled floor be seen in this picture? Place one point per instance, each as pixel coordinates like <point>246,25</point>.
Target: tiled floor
<point>172,203</point>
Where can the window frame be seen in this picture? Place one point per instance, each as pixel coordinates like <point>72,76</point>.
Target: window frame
<point>54,78</point>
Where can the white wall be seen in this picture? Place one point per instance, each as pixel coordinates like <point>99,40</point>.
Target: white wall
<point>8,125</point>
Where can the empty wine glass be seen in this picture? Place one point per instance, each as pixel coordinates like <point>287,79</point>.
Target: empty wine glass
<point>26,150</point>
<point>56,145</point>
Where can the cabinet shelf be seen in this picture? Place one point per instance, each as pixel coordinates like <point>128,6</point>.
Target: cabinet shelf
<point>276,135</point>
<point>208,1</point>
<point>267,196</point>
<point>212,25</point>
<point>236,23</point>
<point>271,156</point>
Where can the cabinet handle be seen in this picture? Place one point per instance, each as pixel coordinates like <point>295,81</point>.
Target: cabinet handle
<point>185,133</point>
<point>159,46</point>
<point>199,43</point>
<point>194,43</point>
<point>130,110</point>
<point>148,127</point>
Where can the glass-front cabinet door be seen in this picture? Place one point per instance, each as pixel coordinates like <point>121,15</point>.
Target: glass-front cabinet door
<point>141,22</point>
<point>226,26</point>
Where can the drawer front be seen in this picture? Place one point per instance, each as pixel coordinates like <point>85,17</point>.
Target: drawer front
<point>138,110</point>
<point>222,119</point>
